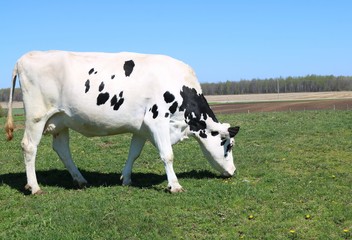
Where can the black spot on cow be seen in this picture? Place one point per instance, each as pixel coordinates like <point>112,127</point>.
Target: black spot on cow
<point>154,110</point>
<point>196,107</point>
<point>117,102</point>
<point>112,76</point>
<point>168,97</point>
<point>214,133</point>
<point>202,134</point>
<point>95,72</point>
<point>167,115</point>
<point>87,84</point>
<point>91,71</point>
<point>113,100</point>
<point>173,107</point>
<point>101,86</point>
<point>128,67</point>
<point>196,125</point>
<point>102,98</point>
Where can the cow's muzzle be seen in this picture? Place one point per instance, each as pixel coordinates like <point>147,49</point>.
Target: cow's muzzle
<point>228,173</point>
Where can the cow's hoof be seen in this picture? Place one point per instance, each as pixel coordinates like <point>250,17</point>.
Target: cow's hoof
<point>80,185</point>
<point>27,187</point>
<point>126,181</point>
<point>175,189</point>
<point>34,192</point>
<point>39,192</point>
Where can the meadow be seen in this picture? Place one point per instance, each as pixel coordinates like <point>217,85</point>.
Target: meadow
<point>293,181</point>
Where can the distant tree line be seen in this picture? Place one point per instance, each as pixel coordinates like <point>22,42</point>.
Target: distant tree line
<point>309,83</point>
<point>5,94</point>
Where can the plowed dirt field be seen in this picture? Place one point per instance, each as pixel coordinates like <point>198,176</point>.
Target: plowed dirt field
<point>281,102</point>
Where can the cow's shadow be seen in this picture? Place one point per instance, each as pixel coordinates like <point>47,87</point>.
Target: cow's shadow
<point>62,179</point>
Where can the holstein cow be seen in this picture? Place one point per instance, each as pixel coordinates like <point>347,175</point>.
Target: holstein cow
<point>154,97</point>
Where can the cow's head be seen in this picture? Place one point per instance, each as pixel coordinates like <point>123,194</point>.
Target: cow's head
<point>216,139</point>
<point>217,144</point>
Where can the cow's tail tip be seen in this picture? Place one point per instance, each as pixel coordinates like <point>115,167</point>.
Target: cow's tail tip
<point>9,127</point>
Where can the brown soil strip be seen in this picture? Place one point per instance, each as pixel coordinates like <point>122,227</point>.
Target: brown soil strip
<point>343,104</point>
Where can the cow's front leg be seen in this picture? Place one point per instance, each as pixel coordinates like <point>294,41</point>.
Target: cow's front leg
<point>163,144</point>
<point>160,137</point>
<point>173,184</point>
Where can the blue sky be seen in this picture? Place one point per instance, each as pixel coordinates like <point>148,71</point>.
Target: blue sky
<point>222,40</point>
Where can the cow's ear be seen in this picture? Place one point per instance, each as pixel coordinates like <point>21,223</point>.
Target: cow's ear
<point>233,131</point>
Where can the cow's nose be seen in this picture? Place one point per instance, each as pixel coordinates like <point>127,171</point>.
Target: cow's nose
<point>229,173</point>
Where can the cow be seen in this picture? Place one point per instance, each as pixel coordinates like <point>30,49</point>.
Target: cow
<point>154,97</point>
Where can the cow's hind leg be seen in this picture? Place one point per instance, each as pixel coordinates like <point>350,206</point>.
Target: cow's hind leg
<point>31,138</point>
<point>136,147</point>
<point>62,148</point>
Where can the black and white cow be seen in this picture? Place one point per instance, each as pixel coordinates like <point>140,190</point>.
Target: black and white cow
<point>154,97</point>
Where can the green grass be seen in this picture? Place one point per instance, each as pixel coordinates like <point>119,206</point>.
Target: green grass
<point>289,165</point>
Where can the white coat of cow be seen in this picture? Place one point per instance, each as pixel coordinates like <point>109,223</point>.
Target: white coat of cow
<point>154,97</point>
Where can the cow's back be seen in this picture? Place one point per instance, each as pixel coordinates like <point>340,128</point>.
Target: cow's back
<point>109,91</point>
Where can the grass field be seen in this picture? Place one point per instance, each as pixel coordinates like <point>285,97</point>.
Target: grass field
<point>293,181</point>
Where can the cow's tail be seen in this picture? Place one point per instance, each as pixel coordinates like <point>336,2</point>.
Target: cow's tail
<point>9,126</point>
